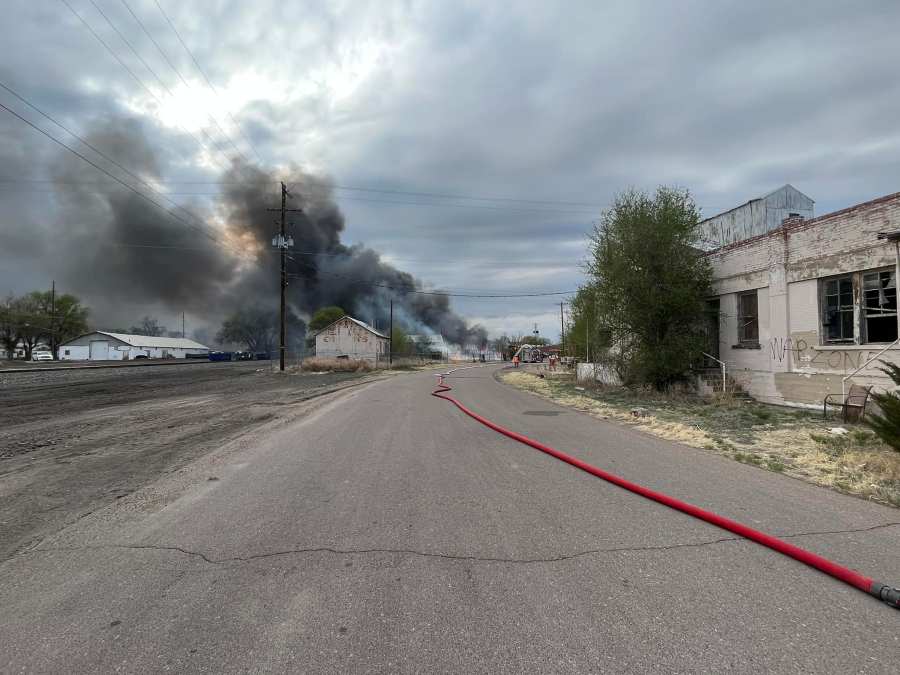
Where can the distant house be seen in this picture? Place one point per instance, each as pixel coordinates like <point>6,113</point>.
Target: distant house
<point>104,346</point>
<point>756,217</point>
<point>349,338</point>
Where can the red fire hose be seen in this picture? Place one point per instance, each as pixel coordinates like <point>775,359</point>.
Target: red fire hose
<point>883,592</point>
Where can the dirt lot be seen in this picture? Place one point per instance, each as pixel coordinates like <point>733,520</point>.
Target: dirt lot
<point>72,441</point>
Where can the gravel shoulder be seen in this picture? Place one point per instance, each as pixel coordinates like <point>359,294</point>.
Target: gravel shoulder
<point>74,441</point>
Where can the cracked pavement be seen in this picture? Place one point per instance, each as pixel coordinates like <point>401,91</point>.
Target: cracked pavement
<point>388,532</point>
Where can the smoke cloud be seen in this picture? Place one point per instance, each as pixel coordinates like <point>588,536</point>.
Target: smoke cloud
<point>123,254</point>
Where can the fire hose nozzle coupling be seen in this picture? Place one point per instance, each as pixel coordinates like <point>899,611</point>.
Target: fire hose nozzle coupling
<point>886,594</point>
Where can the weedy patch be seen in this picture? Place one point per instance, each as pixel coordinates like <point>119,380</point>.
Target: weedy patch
<point>796,443</point>
<point>319,364</point>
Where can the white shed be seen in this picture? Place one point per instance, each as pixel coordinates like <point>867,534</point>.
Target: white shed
<point>351,338</point>
<point>105,346</point>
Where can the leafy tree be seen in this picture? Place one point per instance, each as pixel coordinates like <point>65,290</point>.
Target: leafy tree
<point>325,316</point>
<point>650,284</point>
<point>149,325</point>
<point>30,323</point>
<point>8,336</point>
<point>887,424</point>
<point>256,329</point>
<point>585,336</point>
<point>401,345</point>
<point>63,315</point>
<point>322,317</point>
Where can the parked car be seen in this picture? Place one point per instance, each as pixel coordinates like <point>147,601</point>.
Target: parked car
<point>141,356</point>
<point>41,356</point>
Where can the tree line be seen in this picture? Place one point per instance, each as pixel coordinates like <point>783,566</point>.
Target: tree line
<point>38,317</point>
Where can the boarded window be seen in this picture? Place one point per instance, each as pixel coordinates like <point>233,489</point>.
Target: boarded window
<point>748,318</point>
<point>879,311</point>
<point>837,309</point>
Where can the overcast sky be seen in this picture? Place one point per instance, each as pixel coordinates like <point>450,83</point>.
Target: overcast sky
<point>549,107</point>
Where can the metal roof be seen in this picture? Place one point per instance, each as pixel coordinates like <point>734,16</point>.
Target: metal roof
<point>359,323</point>
<point>758,199</point>
<point>149,341</point>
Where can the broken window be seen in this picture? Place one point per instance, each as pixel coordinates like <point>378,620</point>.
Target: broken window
<point>748,318</point>
<point>837,309</point>
<point>879,311</point>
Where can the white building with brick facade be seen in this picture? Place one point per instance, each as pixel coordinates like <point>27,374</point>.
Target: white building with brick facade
<point>349,338</point>
<point>801,307</point>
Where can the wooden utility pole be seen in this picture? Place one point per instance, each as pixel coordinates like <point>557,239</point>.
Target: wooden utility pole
<point>391,337</point>
<point>54,336</point>
<point>283,242</point>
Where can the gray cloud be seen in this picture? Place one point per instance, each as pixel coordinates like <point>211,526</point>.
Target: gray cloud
<point>564,102</point>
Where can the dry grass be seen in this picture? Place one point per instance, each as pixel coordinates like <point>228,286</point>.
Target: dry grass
<point>325,365</point>
<point>796,443</point>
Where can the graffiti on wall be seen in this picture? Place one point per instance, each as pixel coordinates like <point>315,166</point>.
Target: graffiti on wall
<point>805,355</point>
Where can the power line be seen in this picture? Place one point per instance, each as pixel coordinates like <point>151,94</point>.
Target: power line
<point>142,84</point>
<point>137,178</point>
<point>439,195</point>
<point>474,262</point>
<point>134,51</point>
<point>203,73</point>
<point>440,205</point>
<point>350,188</point>
<point>409,289</point>
<point>96,150</point>
<point>121,182</point>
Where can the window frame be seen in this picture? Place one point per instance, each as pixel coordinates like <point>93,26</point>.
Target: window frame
<point>864,314</point>
<point>858,310</point>
<point>853,308</point>
<point>741,317</point>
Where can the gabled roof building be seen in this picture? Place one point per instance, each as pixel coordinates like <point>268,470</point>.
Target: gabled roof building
<point>101,345</point>
<point>349,338</point>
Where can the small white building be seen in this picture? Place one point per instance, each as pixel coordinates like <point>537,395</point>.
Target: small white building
<point>349,338</point>
<point>104,346</point>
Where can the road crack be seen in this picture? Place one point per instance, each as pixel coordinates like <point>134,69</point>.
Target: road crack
<point>443,556</point>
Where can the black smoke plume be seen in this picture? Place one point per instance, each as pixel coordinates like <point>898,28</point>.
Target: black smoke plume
<point>124,254</point>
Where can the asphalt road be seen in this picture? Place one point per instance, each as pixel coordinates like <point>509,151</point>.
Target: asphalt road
<point>388,532</point>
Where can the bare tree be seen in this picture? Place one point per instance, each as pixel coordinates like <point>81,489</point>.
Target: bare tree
<point>149,325</point>
<point>8,336</point>
<point>257,329</point>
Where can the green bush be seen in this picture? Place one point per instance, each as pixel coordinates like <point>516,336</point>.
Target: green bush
<point>887,425</point>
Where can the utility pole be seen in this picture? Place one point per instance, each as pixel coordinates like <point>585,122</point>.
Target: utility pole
<point>283,243</point>
<point>562,331</point>
<point>391,337</point>
<point>54,336</point>
<point>587,332</point>
<point>182,326</point>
